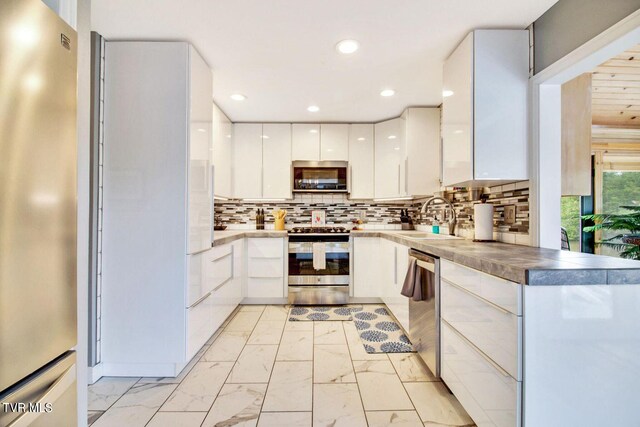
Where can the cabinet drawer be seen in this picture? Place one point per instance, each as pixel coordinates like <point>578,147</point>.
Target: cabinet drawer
<point>196,265</point>
<point>219,268</point>
<point>494,330</point>
<point>489,394</point>
<point>199,324</point>
<point>265,248</point>
<point>265,287</point>
<point>503,293</point>
<point>265,267</point>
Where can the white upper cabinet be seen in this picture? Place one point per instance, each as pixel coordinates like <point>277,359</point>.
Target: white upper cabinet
<point>334,142</point>
<point>222,153</point>
<point>422,163</point>
<point>361,158</point>
<point>484,118</point>
<point>247,160</point>
<point>390,155</point>
<point>276,161</point>
<point>200,141</point>
<point>306,141</point>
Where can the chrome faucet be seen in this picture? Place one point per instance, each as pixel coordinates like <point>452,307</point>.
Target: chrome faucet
<point>452,220</point>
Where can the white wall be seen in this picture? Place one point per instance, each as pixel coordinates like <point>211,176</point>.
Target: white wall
<point>67,9</point>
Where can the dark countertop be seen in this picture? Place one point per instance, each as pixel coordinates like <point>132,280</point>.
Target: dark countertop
<point>523,264</point>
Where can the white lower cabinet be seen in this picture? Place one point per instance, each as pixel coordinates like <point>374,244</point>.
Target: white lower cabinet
<point>366,268</point>
<point>215,290</point>
<point>481,336</point>
<point>199,324</point>
<point>266,276</point>
<point>495,331</point>
<point>488,393</point>
<point>396,260</point>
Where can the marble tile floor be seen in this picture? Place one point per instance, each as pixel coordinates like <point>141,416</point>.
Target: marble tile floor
<point>260,370</point>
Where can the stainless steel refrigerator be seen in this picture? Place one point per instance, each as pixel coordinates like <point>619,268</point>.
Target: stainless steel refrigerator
<point>37,216</point>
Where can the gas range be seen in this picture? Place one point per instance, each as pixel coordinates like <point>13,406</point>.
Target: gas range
<point>319,230</point>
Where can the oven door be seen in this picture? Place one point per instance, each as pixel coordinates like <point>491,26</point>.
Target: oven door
<point>302,273</point>
<point>326,177</point>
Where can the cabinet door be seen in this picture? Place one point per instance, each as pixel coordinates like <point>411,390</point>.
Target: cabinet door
<point>200,212</point>
<point>390,158</point>
<point>423,151</point>
<point>457,115</point>
<point>394,261</point>
<point>221,154</point>
<point>200,324</point>
<point>367,274</point>
<point>334,142</point>
<point>247,160</point>
<point>361,160</point>
<point>501,67</point>
<point>239,269</point>
<point>196,277</point>
<point>305,141</point>
<point>276,161</point>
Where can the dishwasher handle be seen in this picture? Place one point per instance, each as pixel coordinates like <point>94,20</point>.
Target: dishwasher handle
<point>426,265</point>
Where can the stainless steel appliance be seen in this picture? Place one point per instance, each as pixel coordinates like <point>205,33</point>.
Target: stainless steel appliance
<point>328,286</point>
<point>424,316</point>
<point>320,177</point>
<point>37,216</point>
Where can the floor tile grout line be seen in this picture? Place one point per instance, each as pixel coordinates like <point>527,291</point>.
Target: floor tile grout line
<point>271,373</point>
<point>232,367</point>
<point>185,377</point>
<point>202,353</point>
<point>355,374</point>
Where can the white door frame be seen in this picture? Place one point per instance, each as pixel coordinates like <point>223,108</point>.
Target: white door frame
<point>545,119</point>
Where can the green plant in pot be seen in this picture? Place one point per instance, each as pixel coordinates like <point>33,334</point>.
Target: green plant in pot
<point>628,224</point>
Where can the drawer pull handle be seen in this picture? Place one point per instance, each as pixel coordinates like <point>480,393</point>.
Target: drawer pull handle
<point>222,257</point>
<point>222,284</point>
<point>200,300</point>
<point>484,356</point>
<point>478,297</point>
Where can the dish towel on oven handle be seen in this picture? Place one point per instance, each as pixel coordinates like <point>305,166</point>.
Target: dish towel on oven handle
<point>319,256</point>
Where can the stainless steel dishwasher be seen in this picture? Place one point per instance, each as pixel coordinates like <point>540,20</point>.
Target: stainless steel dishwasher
<point>424,316</point>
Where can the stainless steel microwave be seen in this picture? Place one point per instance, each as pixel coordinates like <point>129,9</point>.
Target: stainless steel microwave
<point>320,177</point>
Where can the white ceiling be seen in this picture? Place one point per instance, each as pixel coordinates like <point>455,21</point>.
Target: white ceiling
<point>281,53</point>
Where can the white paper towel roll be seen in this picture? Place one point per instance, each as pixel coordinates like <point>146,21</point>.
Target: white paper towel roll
<point>483,221</point>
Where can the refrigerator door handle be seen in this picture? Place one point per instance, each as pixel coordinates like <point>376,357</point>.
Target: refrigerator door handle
<point>50,395</point>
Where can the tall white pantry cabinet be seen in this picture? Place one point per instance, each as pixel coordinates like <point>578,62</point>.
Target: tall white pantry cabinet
<point>158,208</point>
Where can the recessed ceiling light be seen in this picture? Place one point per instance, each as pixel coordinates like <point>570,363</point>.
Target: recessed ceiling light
<point>313,130</point>
<point>396,148</point>
<point>446,93</point>
<point>201,130</point>
<point>265,136</point>
<point>388,92</point>
<point>228,135</point>
<point>458,131</point>
<point>361,139</point>
<point>391,137</point>
<point>238,97</point>
<point>347,46</point>
<point>313,108</point>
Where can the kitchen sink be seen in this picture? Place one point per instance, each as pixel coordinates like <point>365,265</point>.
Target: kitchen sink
<point>424,235</point>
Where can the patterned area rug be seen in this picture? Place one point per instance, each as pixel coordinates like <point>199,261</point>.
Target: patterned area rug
<point>379,332</point>
<point>301,313</point>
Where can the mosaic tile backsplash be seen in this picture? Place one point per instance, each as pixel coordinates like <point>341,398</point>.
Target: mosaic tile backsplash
<point>342,211</point>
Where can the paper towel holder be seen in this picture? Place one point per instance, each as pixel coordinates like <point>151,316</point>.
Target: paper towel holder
<point>483,200</point>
